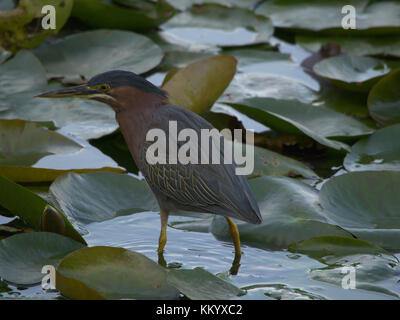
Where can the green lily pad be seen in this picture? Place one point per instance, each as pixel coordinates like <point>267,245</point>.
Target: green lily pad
<point>366,204</point>
<point>212,24</point>
<point>356,46</point>
<point>100,196</point>
<point>30,207</point>
<point>7,5</point>
<point>328,249</point>
<point>374,269</point>
<point>380,151</point>
<point>16,24</point>
<point>269,163</point>
<point>352,72</point>
<point>184,4</point>
<point>293,117</point>
<point>23,77</point>
<point>112,273</point>
<point>30,152</point>
<point>291,212</point>
<point>196,87</point>
<point>384,99</point>
<point>126,16</point>
<point>268,74</point>
<point>199,284</point>
<point>24,255</point>
<point>23,143</point>
<point>84,54</point>
<point>326,16</point>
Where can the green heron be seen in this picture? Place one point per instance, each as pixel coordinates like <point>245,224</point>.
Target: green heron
<point>209,188</point>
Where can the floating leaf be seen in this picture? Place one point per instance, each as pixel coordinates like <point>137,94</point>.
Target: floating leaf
<point>196,87</point>
<point>23,77</point>
<point>27,205</point>
<point>16,24</point>
<point>109,15</point>
<point>357,46</point>
<point>23,143</point>
<point>184,4</point>
<point>213,24</point>
<point>290,211</point>
<point>29,153</point>
<point>365,204</point>
<point>294,117</point>
<point>24,255</point>
<point>380,151</point>
<point>384,99</point>
<point>374,269</point>
<point>199,284</point>
<point>112,273</point>
<point>326,16</point>
<point>352,72</point>
<point>84,54</point>
<point>268,74</point>
<point>328,248</point>
<point>100,196</point>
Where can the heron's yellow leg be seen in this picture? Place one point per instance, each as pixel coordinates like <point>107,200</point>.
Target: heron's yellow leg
<point>234,231</point>
<point>163,234</point>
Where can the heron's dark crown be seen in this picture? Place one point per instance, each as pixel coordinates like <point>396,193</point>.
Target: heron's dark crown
<point>120,78</point>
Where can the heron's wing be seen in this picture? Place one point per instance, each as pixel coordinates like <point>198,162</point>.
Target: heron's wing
<point>213,188</point>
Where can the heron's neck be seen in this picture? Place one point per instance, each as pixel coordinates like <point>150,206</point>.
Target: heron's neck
<point>135,121</point>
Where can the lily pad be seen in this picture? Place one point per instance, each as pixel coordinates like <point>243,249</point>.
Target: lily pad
<point>23,143</point>
<point>384,99</point>
<point>380,151</point>
<point>24,255</point>
<point>30,207</point>
<point>199,284</point>
<point>110,15</point>
<point>352,72</point>
<point>100,196</point>
<point>326,16</point>
<point>198,85</point>
<point>112,273</point>
<point>16,24</point>
<point>268,74</point>
<point>23,77</point>
<point>84,54</point>
<point>269,163</point>
<point>374,269</point>
<point>184,4</point>
<point>357,46</point>
<point>291,212</point>
<point>292,117</point>
<point>30,152</point>
<point>328,249</point>
<point>371,216</point>
<point>212,24</point>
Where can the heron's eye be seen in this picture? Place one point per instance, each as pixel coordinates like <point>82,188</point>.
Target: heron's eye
<point>102,87</point>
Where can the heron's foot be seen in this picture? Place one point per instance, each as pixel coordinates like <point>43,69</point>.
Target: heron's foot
<point>235,265</point>
<point>234,231</point>
<point>162,240</point>
<point>161,260</point>
<point>163,234</point>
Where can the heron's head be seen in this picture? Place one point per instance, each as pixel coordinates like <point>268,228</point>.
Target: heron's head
<point>119,89</point>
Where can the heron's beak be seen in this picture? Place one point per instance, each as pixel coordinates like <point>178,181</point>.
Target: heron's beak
<point>82,91</point>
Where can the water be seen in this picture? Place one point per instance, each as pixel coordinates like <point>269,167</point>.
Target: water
<point>265,274</point>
